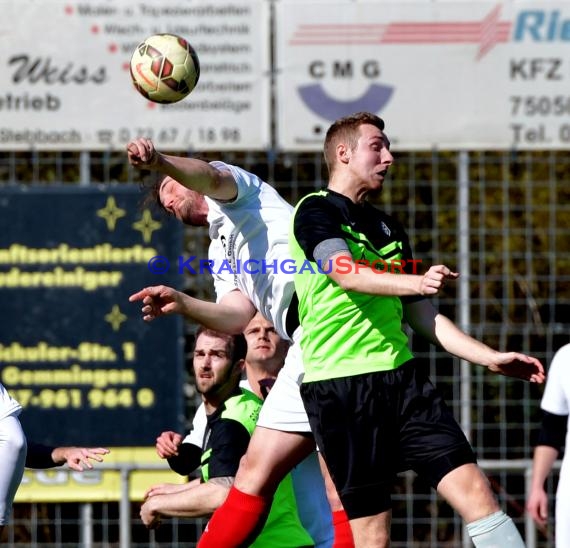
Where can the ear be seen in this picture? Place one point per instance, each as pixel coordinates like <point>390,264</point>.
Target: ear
<point>240,366</point>
<point>343,153</point>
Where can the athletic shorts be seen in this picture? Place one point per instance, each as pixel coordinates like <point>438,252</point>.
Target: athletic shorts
<point>370,427</point>
<point>283,408</point>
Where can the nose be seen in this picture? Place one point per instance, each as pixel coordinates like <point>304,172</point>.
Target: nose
<point>387,157</point>
<point>167,202</point>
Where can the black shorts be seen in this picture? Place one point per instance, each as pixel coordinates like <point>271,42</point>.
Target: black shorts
<point>370,427</point>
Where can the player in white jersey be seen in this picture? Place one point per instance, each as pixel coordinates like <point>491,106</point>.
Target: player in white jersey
<point>553,436</point>
<point>12,453</point>
<point>249,225</point>
<point>16,453</point>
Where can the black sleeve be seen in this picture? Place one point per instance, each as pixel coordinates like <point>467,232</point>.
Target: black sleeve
<point>316,221</point>
<point>553,430</point>
<point>39,456</point>
<point>229,440</point>
<point>187,460</point>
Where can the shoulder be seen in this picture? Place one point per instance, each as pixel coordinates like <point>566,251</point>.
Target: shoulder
<point>241,176</point>
<point>315,202</point>
<point>243,408</point>
<point>561,359</point>
<point>321,196</point>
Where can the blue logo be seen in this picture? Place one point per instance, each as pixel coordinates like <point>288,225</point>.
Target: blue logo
<point>325,106</point>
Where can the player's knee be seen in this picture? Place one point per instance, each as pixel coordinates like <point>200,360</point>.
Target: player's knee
<point>17,443</point>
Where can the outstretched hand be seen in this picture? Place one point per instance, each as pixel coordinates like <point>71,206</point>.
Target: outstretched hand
<point>434,279</point>
<point>158,300</point>
<point>142,154</point>
<point>78,458</point>
<point>520,366</point>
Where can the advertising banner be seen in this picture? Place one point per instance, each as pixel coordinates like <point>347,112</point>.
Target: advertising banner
<point>65,81</point>
<point>73,350</point>
<point>448,75</point>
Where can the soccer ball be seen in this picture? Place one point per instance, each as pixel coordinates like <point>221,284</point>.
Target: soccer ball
<point>164,68</point>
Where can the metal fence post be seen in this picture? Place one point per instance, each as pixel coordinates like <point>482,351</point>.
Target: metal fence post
<point>125,509</point>
<point>529,527</point>
<point>464,301</point>
<point>87,525</point>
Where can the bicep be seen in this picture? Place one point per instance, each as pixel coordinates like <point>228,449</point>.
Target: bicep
<point>224,186</point>
<point>239,306</point>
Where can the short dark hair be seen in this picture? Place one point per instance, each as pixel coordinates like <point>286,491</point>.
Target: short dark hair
<point>346,130</point>
<point>151,194</point>
<point>237,345</point>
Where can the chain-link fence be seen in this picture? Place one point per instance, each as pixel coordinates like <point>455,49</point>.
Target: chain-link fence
<point>501,218</point>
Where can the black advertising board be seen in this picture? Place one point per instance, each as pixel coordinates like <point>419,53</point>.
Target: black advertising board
<point>73,350</point>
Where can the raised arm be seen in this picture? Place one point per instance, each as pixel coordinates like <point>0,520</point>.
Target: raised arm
<point>362,277</point>
<point>191,172</point>
<point>426,321</point>
<point>320,232</point>
<point>230,315</point>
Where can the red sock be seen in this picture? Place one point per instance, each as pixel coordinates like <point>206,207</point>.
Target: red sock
<point>236,522</point>
<point>342,531</point>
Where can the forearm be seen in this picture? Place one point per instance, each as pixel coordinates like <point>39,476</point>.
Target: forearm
<point>197,175</point>
<point>195,501</point>
<point>381,278</point>
<point>544,458</point>
<point>362,277</point>
<point>460,344</point>
<point>227,318</point>
<point>427,322</point>
<point>367,280</point>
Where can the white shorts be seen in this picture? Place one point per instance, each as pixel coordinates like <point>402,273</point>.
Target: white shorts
<point>283,408</point>
<point>13,457</point>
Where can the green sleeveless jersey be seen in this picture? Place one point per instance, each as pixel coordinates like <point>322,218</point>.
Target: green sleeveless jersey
<point>346,333</point>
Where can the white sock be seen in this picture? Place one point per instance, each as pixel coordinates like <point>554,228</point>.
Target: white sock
<point>496,530</point>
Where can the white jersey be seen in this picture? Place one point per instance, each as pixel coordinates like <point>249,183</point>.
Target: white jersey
<point>249,246</point>
<point>8,405</point>
<point>249,251</point>
<point>556,399</point>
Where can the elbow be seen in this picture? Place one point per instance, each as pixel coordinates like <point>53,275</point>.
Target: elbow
<point>236,329</point>
<point>347,283</point>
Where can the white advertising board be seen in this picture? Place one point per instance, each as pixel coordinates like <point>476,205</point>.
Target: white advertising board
<point>448,75</point>
<point>65,82</point>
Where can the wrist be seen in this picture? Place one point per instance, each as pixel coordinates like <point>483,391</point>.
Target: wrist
<point>58,455</point>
